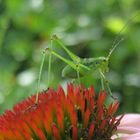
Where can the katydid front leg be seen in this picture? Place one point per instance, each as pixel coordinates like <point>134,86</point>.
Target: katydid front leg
<point>104,83</point>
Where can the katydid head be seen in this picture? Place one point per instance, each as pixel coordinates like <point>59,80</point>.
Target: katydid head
<point>101,63</point>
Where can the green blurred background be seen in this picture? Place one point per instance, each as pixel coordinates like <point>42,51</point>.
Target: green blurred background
<point>87,28</point>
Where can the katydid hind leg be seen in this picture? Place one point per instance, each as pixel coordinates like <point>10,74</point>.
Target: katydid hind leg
<point>74,57</point>
<point>69,62</point>
<point>51,52</point>
<point>41,68</point>
<point>39,76</point>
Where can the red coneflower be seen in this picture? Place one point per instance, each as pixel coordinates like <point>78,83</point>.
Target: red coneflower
<point>79,115</point>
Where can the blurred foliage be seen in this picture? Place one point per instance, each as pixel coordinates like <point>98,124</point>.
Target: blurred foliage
<point>87,28</point>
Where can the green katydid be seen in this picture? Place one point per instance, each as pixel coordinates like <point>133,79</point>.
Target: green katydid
<point>78,67</point>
